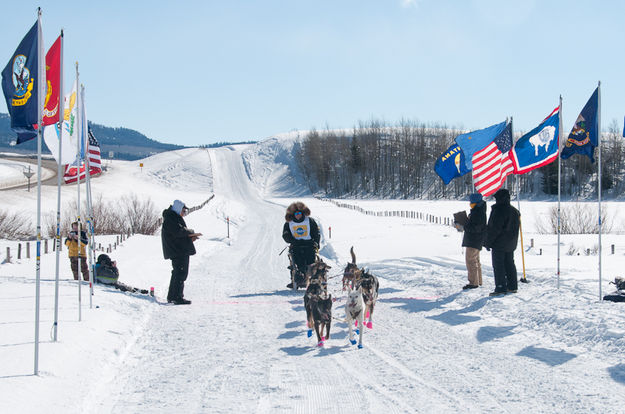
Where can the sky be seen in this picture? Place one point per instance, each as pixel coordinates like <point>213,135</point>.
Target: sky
<point>199,72</point>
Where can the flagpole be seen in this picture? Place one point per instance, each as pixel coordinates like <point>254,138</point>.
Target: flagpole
<point>58,199</point>
<point>77,124</point>
<point>518,199</point>
<point>88,215</point>
<point>40,103</point>
<point>559,186</point>
<point>599,177</point>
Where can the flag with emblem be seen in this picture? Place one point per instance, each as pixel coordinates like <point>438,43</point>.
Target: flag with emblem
<point>492,164</point>
<point>451,164</point>
<point>20,85</point>
<point>585,133</point>
<point>539,146</point>
<point>53,82</point>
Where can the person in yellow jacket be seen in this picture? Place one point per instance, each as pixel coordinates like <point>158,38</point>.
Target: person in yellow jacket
<point>72,244</point>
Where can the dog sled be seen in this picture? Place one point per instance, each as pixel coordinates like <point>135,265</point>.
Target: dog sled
<point>298,277</point>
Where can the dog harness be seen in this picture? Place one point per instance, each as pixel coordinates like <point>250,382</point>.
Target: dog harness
<point>300,231</point>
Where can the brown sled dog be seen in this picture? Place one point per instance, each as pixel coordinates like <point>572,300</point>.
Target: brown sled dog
<point>318,271</point>
<point>351,274</point>
<point>318,305</point>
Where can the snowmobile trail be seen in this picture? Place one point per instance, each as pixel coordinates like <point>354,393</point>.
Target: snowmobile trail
<point>242,346</point>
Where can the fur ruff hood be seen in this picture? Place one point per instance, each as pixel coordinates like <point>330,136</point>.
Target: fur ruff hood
<point>296,206</point>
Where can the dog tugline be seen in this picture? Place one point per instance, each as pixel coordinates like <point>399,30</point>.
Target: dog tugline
<point>302,233</point>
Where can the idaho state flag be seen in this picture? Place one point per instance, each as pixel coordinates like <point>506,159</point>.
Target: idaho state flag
<point>20,86</point>
<point>584,136</point>
<point>539,146</point>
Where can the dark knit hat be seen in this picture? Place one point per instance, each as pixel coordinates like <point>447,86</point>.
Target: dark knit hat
<point>475,198</point>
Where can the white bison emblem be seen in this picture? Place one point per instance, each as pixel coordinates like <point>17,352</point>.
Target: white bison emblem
<point>543,138</point>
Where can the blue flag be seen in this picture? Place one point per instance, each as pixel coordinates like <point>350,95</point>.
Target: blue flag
<point>20,86</point>
<point>474,141</point>
<point>451,164</point>
<point>539,146</point>
<point>584,136</point>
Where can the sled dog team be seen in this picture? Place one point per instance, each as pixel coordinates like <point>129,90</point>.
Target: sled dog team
<point>362,295</point>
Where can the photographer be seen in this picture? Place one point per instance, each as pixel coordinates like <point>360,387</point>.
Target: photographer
<point>74,254</point>
<point>177,242</point>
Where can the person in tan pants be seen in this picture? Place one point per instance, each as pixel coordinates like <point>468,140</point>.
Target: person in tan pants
<point>473,239</point>
<point>74,255</point>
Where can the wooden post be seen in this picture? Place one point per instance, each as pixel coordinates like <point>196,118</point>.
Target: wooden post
<point>28,250</point>
<point>19,251</point>
<point>117,241</point>
<point>612,249</point>
<point>531,242</point>
<point>541,252</point>
<point>45,246</point>
<point>8,259</point>
<point>330,231</point>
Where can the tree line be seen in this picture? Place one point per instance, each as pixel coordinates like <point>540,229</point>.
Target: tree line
<point>374,159</point>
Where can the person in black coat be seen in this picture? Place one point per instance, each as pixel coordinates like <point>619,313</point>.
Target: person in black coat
<point>474,233</point>
<point>178,245</point>
<point>501,237</point>
<point>302,233</point>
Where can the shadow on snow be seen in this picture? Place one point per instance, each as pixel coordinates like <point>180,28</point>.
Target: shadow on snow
<point>548,356</point>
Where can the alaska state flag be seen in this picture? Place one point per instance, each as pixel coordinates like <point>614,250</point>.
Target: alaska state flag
<point>451,164</point>
<point>20,86</point>
<point>474,141</point>
<point>539,146</point>
<point>584,136</point>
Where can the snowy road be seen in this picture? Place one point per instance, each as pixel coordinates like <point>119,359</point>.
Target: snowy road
<point>242,346</point>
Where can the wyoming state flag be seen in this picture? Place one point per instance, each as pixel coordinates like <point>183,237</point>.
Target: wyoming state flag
<point>20,86</point>
<point>539,146</point>
<point>584,136</point>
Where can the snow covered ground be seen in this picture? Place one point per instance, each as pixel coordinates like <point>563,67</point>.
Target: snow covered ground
<point>242,345</point>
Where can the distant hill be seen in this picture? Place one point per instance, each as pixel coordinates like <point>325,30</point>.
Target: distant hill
<point>126,144</point>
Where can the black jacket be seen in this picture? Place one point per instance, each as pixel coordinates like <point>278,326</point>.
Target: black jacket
<point>314,234</point>
<point>175,236</point>
<point>503,224</point>
<point>475,228</point>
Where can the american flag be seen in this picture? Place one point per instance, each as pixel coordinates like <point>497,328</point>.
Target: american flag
<point>492,164</point>
<point>95,162</point>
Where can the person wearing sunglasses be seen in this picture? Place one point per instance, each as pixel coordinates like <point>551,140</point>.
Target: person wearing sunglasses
<point>302,233</point>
